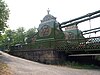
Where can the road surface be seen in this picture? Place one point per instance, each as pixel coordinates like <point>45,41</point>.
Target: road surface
<point>21,66</point>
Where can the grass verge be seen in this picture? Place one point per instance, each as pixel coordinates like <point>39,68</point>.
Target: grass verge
<point>4,69</point>
<point>77,65</point>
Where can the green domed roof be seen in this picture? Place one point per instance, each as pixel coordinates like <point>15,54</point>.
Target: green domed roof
<point>48,17</point>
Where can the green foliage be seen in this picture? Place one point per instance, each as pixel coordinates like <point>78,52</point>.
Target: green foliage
<point>4,15</point>
<point>18,36</point>
<point>30,34</point>
<point>9,36</point>
<point>6,39</point>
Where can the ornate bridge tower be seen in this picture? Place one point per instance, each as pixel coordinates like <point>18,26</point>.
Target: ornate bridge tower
<point>49,28</point>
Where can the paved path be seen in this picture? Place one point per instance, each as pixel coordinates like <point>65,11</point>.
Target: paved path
<point>24,67</point>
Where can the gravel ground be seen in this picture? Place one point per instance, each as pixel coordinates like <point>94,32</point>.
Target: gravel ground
<point>25,67</point>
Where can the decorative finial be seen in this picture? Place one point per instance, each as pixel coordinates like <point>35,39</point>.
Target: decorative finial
<point>48,11</point>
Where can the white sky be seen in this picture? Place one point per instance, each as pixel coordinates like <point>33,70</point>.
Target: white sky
<point>28,13</point>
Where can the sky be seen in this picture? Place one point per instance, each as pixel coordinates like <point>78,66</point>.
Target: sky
<point>28,13</point>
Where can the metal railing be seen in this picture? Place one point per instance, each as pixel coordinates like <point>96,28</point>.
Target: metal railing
<point>86,45</point>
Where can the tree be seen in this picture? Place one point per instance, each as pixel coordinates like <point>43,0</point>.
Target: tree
<point>7,39</point>
<point>4,15</point>
<point>20,36</point>
<point>30,34</point>
<point>10,35</point>
<point>16,37</point>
